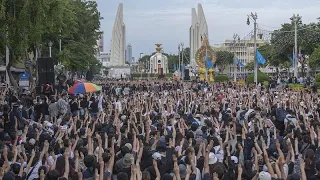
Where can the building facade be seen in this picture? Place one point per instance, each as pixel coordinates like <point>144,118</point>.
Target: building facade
<point>105,59</point>
<point>118,39</point>
<point>100,43</point>
<point>244,51</point>
<point>198,30</point>
<point>129,54</point>
<point>158,63</point>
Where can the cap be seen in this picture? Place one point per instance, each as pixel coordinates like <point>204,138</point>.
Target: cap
<point>212,158</point>
<point>264,176</point>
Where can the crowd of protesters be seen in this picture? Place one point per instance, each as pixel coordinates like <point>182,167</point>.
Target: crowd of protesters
<point>161,130</point>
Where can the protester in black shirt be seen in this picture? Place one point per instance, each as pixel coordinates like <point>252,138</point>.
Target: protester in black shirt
<point>5,119</point>
<point>74,106</point>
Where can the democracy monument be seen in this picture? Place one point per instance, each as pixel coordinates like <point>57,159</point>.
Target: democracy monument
<point>158,62</point>
<point>200,49</point>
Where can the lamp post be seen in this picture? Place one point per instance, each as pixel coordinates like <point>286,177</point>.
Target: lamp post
<point>50,46</point>
<point>254,17</point>
<point>182,70</point>
<point>141,66</point>
<point>295,62</point>
<point>179,61</point>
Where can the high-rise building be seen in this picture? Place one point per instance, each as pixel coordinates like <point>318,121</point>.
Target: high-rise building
<point>118,39</point>
<point>129,54</point>
<point>100,43</point>
<point>198,30</point>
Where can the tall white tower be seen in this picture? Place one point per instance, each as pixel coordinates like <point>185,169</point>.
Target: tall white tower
<point>118,42</point>
<point>198,30</point>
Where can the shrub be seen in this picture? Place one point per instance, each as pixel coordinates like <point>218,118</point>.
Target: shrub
<point>296,87</point>
<point>144,75</point>
<point>261,77</point>
<point>221,78</point>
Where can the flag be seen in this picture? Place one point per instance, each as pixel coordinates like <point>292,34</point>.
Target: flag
<point>209,63</point>
<point>260,59</point>
<point>183,67</point>
<point>239,63</point>
<point>175,68</point>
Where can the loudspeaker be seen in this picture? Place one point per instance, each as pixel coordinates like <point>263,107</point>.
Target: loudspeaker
<point>89,76</point>
<point>45,71</point>
<point>45,65</point>
<point>42,78</point>
<point>46,78</point>
<point>186,75</point>
<point>50,77</point>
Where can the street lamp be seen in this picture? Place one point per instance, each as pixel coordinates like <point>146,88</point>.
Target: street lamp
<point>179,61</point>
<point>254,18</point>
<point>50,46</point>
<point>182,70</point>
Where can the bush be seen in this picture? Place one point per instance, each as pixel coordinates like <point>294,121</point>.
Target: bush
<point>296,87</point>
<point>262,77</point>
<point>317,80</point>
<point>145,75</point>
<point>221,78</point>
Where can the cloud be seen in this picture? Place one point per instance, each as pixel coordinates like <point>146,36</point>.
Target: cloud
<point>168,21</point>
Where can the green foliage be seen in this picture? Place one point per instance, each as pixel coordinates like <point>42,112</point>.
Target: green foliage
<point>265,84</point>
<point>249,66</point>
<point>223,59</point>
<point>280,50</point>
<point>221,78</point>
<point>317,79</point>
<point>296,87</point>
<point>26,27</point>
<point>145,75</point>
<point>262,77</point>
<point>315,58</point>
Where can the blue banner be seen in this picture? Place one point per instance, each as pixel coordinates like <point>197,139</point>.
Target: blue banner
<point>209,63</point>
<point>260,58</point>
<point>24,76</point>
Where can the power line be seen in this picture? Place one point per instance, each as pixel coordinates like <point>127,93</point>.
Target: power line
<point>279,31</point>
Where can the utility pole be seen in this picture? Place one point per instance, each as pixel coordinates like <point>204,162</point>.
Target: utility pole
<point>254,17</point>
<point>179,61</point>
<point>141,65</point>
<point>235,36</point>
<point>182,71</point>
<point>295,65</point>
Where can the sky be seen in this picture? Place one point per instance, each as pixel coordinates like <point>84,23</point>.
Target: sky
<point>168,21</point>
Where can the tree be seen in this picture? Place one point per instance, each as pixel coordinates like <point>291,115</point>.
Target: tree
<point>315,58</point>
<point>80,49</point>
<point>282,41</point>
<point>185,55</point>
<point>249,66</point>
<point>223,59</point>
<point>26,27</point>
